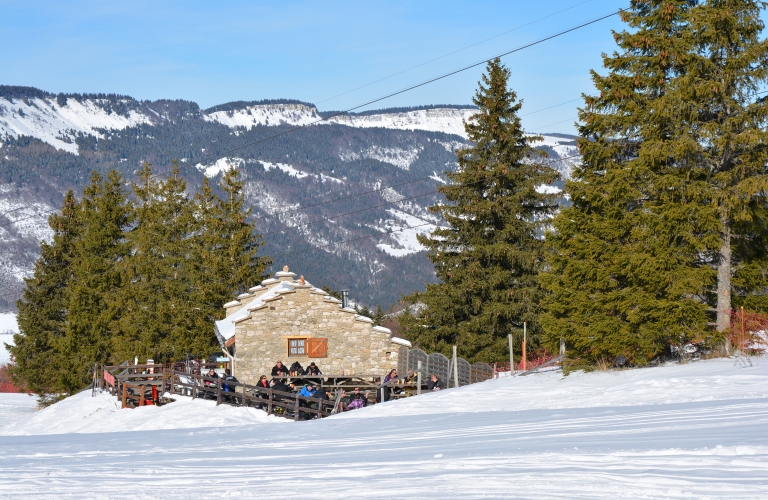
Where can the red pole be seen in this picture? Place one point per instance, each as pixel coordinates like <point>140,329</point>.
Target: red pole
<point>742,329</point>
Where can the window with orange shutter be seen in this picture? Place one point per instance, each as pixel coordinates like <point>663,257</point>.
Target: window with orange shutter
<point>317,348</point>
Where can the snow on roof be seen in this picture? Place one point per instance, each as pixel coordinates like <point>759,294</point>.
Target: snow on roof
<point>381,329</point>
<point>226,326</point>
<point>363,318</point>
<point>255,288</point>
<point>232,303</point>
<point>269,281</point>
<point>243,295</point>
<point>398,340</point>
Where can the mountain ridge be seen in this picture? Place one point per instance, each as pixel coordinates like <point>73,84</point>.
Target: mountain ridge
<point>47,147</point>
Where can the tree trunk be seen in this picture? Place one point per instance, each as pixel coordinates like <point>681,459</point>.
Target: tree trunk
<point>724,284</point>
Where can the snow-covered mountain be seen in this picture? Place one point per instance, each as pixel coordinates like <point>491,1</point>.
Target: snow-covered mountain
<point>49,143</point>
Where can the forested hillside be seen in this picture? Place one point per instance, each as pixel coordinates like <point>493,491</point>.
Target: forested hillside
<point>51,143</point>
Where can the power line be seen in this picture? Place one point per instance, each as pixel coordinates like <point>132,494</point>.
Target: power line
<point>412,87</point>
<point>454,52</point>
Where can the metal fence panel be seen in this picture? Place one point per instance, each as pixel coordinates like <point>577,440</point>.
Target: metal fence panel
<point>480,372</point>
<point>402,360</point>
<point>414,356</point>
<point>465,372</point>
<point>440,366</point>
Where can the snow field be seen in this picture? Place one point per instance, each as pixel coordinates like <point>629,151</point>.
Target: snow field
<point>687,431</point>
<point>8,326</point>
<point>14,407</point>
<point>83,413</point>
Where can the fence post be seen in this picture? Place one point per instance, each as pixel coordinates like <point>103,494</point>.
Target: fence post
<point>562,346</point>
<point>123,396</point>
<point>455,368</point>
<point>218,393</point>
<point>511,357</point>
<point>171,388</point>
<point>296,409</point>
<point>418,379</point>
<point>141,398</point>
<point>269,403</point>
<point>524,339</point>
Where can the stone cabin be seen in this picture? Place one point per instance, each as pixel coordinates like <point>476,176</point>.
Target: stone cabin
<point>288,319</point>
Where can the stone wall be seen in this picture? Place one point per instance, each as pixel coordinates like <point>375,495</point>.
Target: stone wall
<point>354,344</point>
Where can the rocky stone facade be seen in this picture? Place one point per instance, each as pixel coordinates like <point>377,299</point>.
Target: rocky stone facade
<point>290,320</point>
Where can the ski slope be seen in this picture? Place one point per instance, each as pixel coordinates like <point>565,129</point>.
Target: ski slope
<point>682,431</point>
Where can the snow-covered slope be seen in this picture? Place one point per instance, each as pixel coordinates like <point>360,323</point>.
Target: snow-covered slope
<point>447,120</point>
<point>684,431</point>
<point>58,125</point>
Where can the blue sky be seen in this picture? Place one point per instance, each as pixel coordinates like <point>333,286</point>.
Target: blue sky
<point>215,52</point>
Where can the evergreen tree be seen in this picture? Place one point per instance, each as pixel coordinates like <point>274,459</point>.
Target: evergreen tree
<point>226,262</point>
<point>104,218</point>
<point>159,314</point>
<point>633,257</point>
<point>42,311</point>
<point>488,257</point>
<point>729,65</point>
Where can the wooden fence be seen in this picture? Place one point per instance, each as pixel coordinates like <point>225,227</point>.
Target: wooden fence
<point>283,404</point>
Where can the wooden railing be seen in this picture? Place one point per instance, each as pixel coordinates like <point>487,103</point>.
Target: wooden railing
<point>283,404</point>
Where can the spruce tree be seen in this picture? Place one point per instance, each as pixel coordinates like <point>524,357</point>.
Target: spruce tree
<point>488,256</point>
<point>228,244</point>
<point>100,247</point>
<point>727,69</point>
<point>42,311</point>
<point>156,297</point>
<point>633,258</point>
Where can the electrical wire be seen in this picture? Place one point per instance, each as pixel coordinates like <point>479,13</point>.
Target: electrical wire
<point>454,52</point>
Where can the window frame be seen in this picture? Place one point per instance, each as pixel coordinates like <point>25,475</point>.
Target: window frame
<point>304,347</point>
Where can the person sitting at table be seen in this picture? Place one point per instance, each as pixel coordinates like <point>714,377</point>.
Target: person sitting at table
<point>279,370</point>
<point>391,376</point>
<point>434,383</point>
<point>211,374</point>
<point>313,370</point>
<point>383,392</point>
<point>262,384</point>
<point>307,391</point>
<point>297,369</point>
<point>228,377</point>
<point>357,400</point>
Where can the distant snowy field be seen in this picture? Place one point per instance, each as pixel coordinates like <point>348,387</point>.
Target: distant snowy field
<point>683,431</point>
<point>8,326</point>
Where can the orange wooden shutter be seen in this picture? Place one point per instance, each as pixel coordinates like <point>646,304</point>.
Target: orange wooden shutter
<point>317,348</point>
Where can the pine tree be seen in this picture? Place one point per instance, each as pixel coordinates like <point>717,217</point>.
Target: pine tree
<point>488,256</point>
<point>729,66</point>
<point>225,248</point>
<point>104,218</point>
<point>632,259</point>
<point>158,319</point>
<point>42,311</point>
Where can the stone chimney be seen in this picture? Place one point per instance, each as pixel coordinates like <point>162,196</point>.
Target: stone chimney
<point>285,274</point>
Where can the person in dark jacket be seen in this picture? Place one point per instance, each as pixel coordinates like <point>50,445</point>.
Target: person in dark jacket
<point>391,376</point>
<point>228,377</point>
<point>211,374</point>
<point>279,370</point>
<point>383,393</point>
<point>357,400</point>
<point>434,383</point>
<point>313,370</point>
<point>297,369</point>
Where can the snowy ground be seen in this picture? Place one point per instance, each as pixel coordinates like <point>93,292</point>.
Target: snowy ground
<point>690,431</point>
<point>8,326</point>
<point>15,407</point>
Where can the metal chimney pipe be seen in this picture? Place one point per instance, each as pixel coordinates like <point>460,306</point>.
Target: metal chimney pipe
<point>344,298</point>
